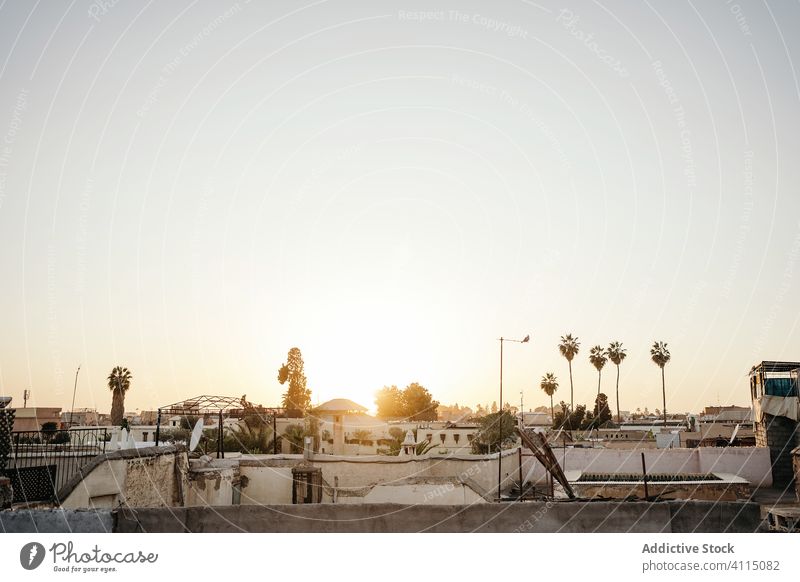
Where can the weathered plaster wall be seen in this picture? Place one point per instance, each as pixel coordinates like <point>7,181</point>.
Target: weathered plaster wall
<point>150,477</point>
<point>212,486</point>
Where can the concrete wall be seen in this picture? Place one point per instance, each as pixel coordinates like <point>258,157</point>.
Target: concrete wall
<point>56,521</point>
<point>267,480</point>
<point>151,477</point>
<point>261,483</point>
<point>750,463</point>
<point>212,486</point>
<point>424,492</point>
<point>576,517</point>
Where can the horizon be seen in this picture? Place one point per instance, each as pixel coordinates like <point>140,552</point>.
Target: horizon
<point>190,190</point>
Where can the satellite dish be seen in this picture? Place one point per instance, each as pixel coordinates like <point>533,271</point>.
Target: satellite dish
<point>735,432</point>
<point>197,432</point>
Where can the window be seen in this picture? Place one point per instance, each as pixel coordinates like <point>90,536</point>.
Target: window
<point>144,437</point>
<point>442,436</point>
<point>429,437</point>
<point>470,437</point>
<point>456,437</point>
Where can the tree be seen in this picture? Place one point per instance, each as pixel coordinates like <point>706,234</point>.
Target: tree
<point>549,384</point>
<point>588,421</point>
<point>119,381</point>
<point>597,356</point>
<point>569,348</point>
<point>295,435</point>
<point>660,356</point>
<point>496,430</point>
<point>252,436</point>
<point>188,422</point>
<point>48,431</point>
<point>389,401</point>
<point>396,437</point>
<point>616,353</point>
<point>418,404</point>
<point>570,419</point>
<point>362,437</point>
<point>561,417</point>
<point>312,430</point>
<point>602,412</point>
<point>412,403</point>
<point>297,398</point>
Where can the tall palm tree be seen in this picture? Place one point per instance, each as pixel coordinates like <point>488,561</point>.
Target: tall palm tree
<point>569,347</point>
<point>597,356</point>
<point>616,353</point>
<point>119,381</point>
<point>660,356</point>
<point>550,384</point>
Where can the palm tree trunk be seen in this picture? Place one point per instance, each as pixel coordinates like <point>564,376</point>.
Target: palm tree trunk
<point>571,399</point>
<point>599,374</point>
<point>552,414</point>
<point>664,396</point>
<point>618,417</point>
<point>117,407</point>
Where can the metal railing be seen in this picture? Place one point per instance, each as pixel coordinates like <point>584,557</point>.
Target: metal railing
<point>40,462</point>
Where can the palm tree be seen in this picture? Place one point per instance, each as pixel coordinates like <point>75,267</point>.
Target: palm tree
<point>660,356</point>
<point>550,384</point>
<point>295,435</point>
<point>119,380</point>
<point>616,353</point>
<point>569,348</point>
<point>597,356</point>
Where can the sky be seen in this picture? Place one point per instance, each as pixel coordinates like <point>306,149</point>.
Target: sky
<point>189,189</point>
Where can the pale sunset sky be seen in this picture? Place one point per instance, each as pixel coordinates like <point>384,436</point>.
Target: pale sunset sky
<point>189,189</point>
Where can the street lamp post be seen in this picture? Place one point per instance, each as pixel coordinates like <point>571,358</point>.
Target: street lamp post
<point>500,429</point>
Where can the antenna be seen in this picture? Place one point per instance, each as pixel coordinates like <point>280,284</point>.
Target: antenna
<point>197,432</point>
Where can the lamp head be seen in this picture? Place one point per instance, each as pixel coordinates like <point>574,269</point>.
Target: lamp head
<point>526,338</point>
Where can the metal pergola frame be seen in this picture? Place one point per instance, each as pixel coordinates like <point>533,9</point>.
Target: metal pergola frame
<point>221,406</point>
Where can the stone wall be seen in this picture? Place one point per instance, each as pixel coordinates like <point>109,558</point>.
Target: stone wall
<point>150,477</point>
